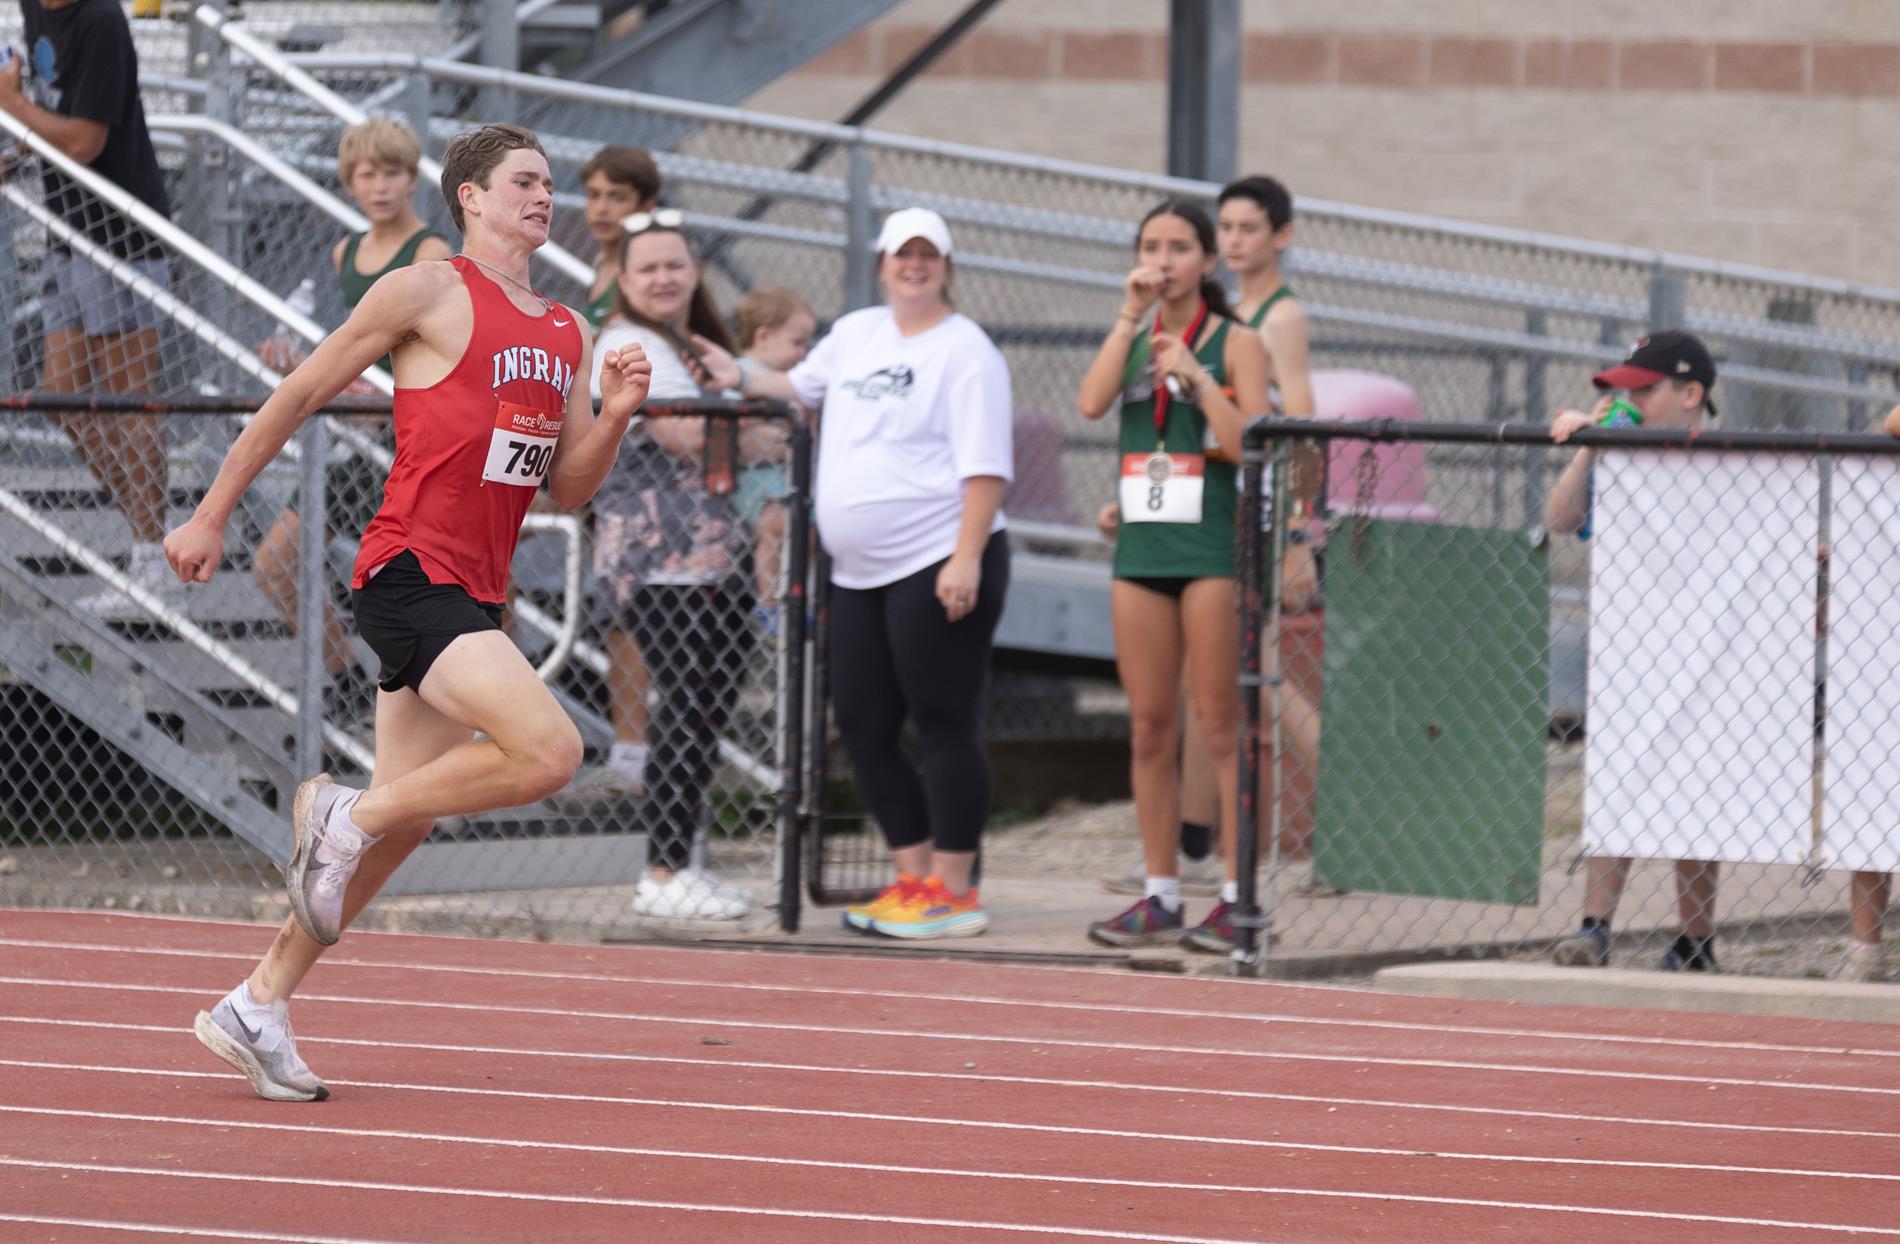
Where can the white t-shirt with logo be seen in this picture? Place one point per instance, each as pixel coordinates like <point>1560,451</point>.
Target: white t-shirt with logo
<point>905,421</point>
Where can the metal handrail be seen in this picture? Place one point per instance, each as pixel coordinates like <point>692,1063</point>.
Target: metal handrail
<point>567,633</point>
<point>277,64</point>
<point>266,159</point>
<point>170,304</point>
<point>174,620</point>
<point>1318,209</point>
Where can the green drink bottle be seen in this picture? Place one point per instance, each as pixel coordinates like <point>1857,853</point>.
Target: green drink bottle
<point>1621,415</point>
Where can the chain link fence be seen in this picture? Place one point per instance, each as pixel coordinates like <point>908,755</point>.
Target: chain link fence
<point>1451,324</point>
<point>1674,651</point>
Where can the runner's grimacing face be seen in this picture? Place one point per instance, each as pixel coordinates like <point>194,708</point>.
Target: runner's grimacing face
<point>1170,246</point>
<point>518,203</point>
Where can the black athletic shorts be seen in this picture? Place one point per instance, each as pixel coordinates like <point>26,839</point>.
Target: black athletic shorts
<point>408,621</point>
<point>1171,586</point>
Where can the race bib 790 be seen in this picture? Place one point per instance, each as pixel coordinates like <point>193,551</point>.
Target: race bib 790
<point>522,445</point>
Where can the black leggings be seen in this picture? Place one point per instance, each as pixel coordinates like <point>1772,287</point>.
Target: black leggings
<point>893,653</point>
<point>695,640</point>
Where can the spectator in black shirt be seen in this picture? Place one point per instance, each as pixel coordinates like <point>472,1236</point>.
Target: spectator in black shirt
<point>83,97</point>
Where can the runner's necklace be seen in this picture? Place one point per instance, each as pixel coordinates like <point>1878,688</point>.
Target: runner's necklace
<point>543,298</point>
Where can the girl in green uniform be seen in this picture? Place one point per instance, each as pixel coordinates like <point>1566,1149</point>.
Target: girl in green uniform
<point>1185,381</point>
<point>618,181</point>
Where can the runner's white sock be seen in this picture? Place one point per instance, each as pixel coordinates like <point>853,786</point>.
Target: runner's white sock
<point>342,828</point>
<point>628,757</point>
<point>249,1009</point>
<point>1167,889</point>
<point>1230,891</point>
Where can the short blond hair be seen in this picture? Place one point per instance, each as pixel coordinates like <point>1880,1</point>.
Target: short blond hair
<point>768,306</point>
<point>378,141</point>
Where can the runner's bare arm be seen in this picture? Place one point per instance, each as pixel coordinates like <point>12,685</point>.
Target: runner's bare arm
<point>391,313</point>
<point>585,451</point>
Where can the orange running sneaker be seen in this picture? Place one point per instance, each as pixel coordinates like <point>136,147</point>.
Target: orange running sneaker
<point>931,910</point>
<point>859,918</point>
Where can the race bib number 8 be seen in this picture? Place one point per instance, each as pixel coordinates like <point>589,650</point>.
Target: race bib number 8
<point>521,447</point>
<point>1162,488</point>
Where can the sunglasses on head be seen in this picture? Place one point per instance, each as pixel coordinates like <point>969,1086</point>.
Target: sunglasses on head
<point>659,218</point>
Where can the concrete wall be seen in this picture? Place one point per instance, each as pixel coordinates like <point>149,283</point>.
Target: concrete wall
<point>1755,131</point>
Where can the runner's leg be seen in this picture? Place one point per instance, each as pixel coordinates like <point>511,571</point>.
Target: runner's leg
<point>409,735</point>
<point>531,750</point>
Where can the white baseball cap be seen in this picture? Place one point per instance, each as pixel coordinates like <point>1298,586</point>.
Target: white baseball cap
<point>913,222</point>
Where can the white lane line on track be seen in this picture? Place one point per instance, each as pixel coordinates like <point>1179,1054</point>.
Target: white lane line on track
<point>1374,1103</point>
<point>1373,1151</point>
<point>907,1034</point>
<point>660,949</point>
<point>203,1233</point>
<point>882,995</point>
<point>905,1220</point>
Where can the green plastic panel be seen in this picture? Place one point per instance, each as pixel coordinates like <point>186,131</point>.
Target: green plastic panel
<point>1435,712</point>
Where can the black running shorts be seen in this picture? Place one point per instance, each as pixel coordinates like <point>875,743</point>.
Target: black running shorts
<point>408,621</point>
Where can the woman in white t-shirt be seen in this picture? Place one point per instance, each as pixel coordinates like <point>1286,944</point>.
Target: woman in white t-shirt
<point>672,561</point>
<point>913,454</point>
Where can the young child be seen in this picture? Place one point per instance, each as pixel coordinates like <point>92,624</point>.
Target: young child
<point>378,163</point>
<point>1667,377</point>
<point>775,329</point>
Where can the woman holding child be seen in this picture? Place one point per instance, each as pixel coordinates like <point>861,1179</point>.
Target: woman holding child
<point>913,452</point>
<point>673,563</point>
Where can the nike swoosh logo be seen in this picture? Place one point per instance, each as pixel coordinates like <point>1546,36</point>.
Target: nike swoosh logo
<point>250,1034</point>
<point>562,323</point>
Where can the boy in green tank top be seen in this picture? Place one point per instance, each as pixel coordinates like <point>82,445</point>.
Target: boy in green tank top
<point>378,162</point>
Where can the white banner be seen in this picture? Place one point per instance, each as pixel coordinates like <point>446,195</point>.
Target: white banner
<point>1702,642</point>
<point>1860,807</point>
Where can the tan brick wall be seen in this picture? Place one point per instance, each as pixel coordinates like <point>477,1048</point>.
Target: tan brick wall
<point>1755,131</point>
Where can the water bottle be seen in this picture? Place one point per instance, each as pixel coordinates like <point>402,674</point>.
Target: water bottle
<point>1621,415</point>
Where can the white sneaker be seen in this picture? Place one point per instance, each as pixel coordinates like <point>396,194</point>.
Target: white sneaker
<point>1199,878</point>
<point>1860,964</point>
<point>691,894</point>
<point>109,604</point>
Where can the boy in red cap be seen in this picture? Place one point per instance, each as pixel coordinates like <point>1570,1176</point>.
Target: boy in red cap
<point>1666,377</point>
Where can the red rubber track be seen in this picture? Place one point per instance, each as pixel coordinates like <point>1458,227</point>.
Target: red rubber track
<point>502,1091</point>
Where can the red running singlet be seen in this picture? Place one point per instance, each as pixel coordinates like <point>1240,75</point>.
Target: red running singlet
<point>472,448</point>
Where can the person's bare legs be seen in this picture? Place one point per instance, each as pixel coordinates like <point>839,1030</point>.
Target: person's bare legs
<point>430,765</point>
<point>627,685</point>
<point>531,750</point>
<point>274,568</point>
<point>409,735</point>
<point>1695,896</point>
<point>1604,879</point>
<point>125,453</point>
<point>1148,657</point>
<point>953,868</point>
<point>770,530</point>
<point>1200,787</point>
<point>1210,623</point>
<point>1869,893</point>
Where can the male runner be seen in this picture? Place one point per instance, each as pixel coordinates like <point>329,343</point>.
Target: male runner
<point>486,411</point>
